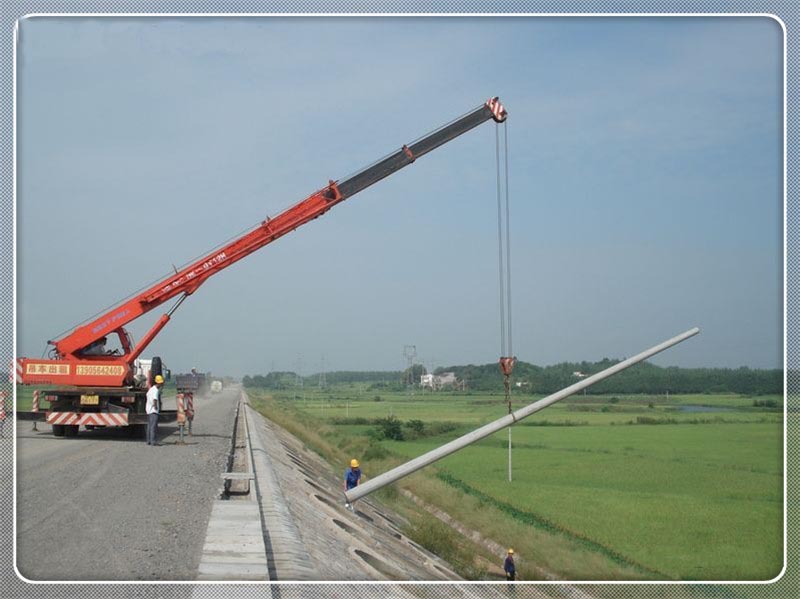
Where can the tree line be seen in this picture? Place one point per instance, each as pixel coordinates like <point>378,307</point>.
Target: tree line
<point>644,378</point>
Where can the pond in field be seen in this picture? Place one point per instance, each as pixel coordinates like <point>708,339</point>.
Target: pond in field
<point>705,409</point>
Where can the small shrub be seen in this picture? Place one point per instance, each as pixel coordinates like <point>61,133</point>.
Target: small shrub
<point>377,398</point>
<point>765,403</point>
<point>354,420</point>
<point>389,428</point>
<point>415,426</point>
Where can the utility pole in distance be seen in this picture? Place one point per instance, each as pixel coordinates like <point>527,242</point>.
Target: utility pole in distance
<point>409,353</point>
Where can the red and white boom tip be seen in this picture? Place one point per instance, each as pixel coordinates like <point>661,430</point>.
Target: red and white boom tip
<point>499,113</point>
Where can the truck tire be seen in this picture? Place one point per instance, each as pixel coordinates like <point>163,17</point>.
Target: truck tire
<point>58,430</point>
<point>71,430</point>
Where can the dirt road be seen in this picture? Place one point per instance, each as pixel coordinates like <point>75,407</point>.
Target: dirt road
<point>103,506</point>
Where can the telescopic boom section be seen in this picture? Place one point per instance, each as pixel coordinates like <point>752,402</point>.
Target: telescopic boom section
<point>186,281</point>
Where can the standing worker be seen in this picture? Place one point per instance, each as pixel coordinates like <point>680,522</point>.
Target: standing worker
<point>509,567</point>
<point>151,407</point>
<point>352,478</point>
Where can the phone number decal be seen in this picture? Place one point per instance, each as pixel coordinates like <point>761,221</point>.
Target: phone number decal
<point>99,370</point>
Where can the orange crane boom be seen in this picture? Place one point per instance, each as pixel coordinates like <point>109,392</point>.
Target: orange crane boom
<point>72,360</point>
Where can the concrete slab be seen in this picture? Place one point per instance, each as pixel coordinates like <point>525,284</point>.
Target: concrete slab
<point>234,547</point>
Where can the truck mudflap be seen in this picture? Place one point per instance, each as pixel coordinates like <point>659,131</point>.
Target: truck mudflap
<point>35,416</point>
<point>163,416</point>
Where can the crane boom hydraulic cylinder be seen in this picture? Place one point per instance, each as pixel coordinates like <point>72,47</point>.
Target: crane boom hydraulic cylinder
<point>437,454</point>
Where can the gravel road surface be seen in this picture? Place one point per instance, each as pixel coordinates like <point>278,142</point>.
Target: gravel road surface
<point>103,506</point>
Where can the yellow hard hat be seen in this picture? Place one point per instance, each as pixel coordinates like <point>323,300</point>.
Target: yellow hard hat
<point>354,463</point>
<point>159,379</point>
<point>511,551</point>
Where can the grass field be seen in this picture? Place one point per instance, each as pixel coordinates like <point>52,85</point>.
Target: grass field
<point>683,487</point>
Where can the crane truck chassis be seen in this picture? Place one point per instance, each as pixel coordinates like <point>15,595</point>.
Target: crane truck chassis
<point>71,407</point>
<point>99,388</point>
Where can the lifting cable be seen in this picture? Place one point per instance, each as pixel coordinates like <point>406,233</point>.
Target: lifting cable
<point>507,359</point>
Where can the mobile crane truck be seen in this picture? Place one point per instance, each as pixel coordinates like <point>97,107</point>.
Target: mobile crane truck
<point>97,388</point>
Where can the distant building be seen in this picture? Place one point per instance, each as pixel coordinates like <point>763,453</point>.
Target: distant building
<point>579,374</point>
<point>437,381</point>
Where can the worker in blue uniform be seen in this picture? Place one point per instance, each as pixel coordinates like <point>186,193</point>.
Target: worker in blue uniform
<point>352,478</point>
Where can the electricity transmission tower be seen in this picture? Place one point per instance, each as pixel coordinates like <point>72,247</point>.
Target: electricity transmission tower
<point>322,382</point>
<point>409,353</point>
<point>298,378</point>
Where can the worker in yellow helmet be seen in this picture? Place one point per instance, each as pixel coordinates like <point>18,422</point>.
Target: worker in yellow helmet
<point>352,478</point>
<point>509,567</point>
<point>152,407</point>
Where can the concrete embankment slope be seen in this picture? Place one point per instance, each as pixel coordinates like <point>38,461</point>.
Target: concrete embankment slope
<point>306,532</point>
<point>310,540</point>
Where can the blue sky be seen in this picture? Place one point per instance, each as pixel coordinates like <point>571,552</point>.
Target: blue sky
<point>646,186</point>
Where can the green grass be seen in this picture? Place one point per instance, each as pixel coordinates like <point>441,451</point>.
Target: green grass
<point>685,487</point>
<point>25,398</point>
<point>658,501</point>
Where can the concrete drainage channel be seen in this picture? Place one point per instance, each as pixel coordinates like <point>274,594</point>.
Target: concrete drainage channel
<point>250,519</point>
<point>252,535</point>
<point>235,547</point>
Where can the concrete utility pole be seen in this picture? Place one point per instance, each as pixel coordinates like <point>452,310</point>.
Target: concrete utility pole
<point>436,454</point>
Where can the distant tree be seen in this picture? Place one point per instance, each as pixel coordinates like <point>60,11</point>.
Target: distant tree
<point>414,374</point>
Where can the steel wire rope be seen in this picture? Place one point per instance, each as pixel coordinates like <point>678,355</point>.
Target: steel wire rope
<point>508,278</point>
<point>500,246</point>
<point>508,241</point>
<point>506,352</point>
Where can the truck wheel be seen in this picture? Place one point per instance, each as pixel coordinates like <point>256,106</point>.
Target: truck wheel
<point>58,430</point>
<point>71,430</point>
